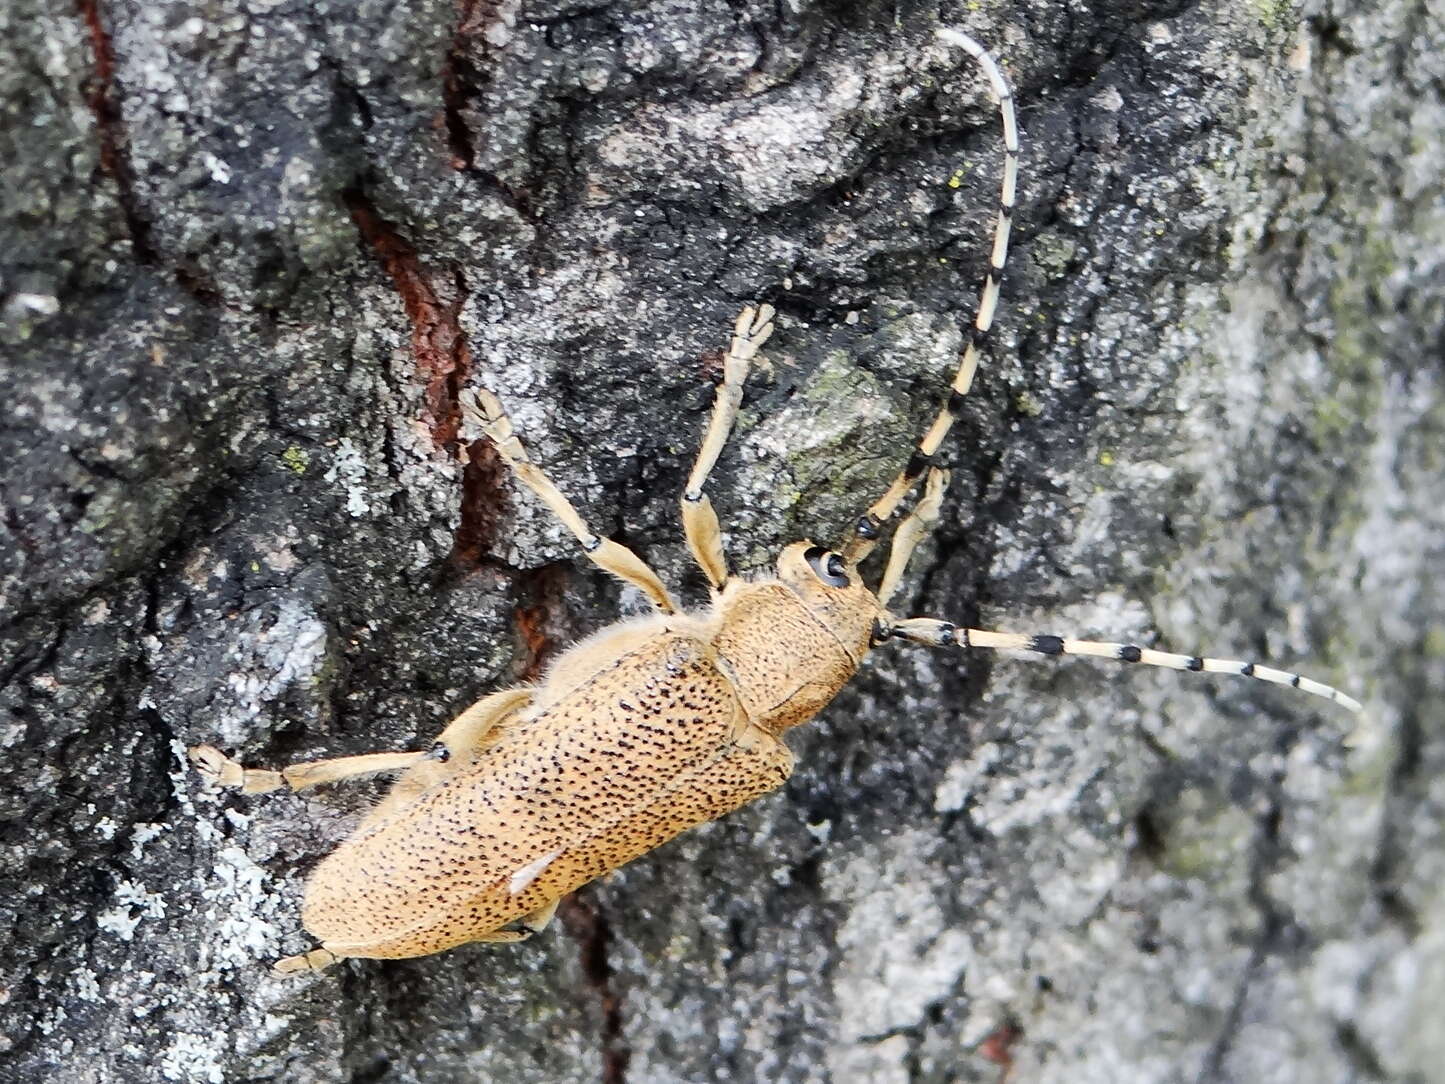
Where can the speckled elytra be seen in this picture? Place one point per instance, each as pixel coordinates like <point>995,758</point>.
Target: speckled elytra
<point>652,725</point>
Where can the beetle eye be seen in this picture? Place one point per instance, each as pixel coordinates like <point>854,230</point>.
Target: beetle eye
<point>828,567</point>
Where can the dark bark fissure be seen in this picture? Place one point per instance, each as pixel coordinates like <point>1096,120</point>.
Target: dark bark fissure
<point>464,81</point>
<point>110,128</point>
<point>588,925</point>
<point>443,359</point>
<point>439,345</point>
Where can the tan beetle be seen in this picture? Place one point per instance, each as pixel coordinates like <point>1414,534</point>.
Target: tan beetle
<point>652,725</point>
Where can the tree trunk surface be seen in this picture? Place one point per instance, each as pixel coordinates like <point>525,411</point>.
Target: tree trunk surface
<point>254,254</point>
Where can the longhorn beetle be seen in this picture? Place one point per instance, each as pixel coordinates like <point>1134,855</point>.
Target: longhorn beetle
<point>652,725</point>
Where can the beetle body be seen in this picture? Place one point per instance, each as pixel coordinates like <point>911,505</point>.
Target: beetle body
<point>634,736</point>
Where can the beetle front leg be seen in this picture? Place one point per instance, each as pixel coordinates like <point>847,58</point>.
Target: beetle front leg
<point>610,556</point>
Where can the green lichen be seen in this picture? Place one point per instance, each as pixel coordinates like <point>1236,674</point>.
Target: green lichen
<point>1370,772</point>
<point>843,438</point>
<point>296,460</point>
<point>1270,13</point>
<point>1053,253</point>
<point>1354,351</point>
<point>1202,841</point>
<point>1434,645</point>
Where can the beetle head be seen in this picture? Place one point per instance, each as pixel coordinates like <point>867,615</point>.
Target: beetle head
<point>833,592</point>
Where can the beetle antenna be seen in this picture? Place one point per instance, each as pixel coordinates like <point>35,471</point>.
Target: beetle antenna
<point>935,633</point>
<point>866,533</point>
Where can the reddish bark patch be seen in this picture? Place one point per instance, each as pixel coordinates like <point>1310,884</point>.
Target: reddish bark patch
<point>443,358</point>
<point>438,344</point>
<point>541,619</point>
<point>110,129</point>
<point>713,363</point>
<point>998,1047</point>
<point>483,480</point>
<point>461,79</point>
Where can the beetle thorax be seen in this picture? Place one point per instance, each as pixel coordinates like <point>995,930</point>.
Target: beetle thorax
<point>790,643</point>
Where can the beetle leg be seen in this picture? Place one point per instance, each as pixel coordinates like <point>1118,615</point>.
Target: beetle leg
<point>318,959</point>
<point>503,937</point>
<point>455,747</point>
<point>223,771</point>
<point>525,927</point>
<point>469,730</point>
<point>699,521</point>
<point>608,555</point>
<point>541,918</point>
<point>911,531</point>
<point>464,735</point>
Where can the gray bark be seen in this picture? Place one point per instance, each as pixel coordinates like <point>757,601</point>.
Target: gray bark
<point>252,254</point>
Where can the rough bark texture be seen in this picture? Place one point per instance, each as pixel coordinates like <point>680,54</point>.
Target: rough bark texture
<point>253,253</point>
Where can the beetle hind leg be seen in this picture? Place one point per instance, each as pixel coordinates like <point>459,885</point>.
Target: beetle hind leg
<point>465,736</point>
<point>318,959</point>
<point>524,928</point>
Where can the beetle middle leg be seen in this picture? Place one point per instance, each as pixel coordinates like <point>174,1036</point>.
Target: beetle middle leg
<point>699,521</point>
<point>458,743</point>
<point>608,555</point>
<point>465,738</point>
<point>222,770</point>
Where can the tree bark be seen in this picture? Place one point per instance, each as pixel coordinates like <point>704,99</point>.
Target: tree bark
<point>252,258</point>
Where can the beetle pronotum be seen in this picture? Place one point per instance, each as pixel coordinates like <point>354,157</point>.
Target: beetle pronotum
<point>653,725</point>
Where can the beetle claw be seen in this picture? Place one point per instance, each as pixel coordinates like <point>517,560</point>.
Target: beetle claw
<point>215,767</point>
<point>318,959</point>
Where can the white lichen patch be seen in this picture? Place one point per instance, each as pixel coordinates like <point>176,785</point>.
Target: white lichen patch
<point>241,935</point>
<point>348,466</point>
<point>898,955</point>
<point>142,834</point>
<point>962,776</point>
<point>183,779</point>
<point>83,984</point>
<point>882,1062</point>
<point>275,653</point>
<point>192,1057</point>
<point>133,904</point>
